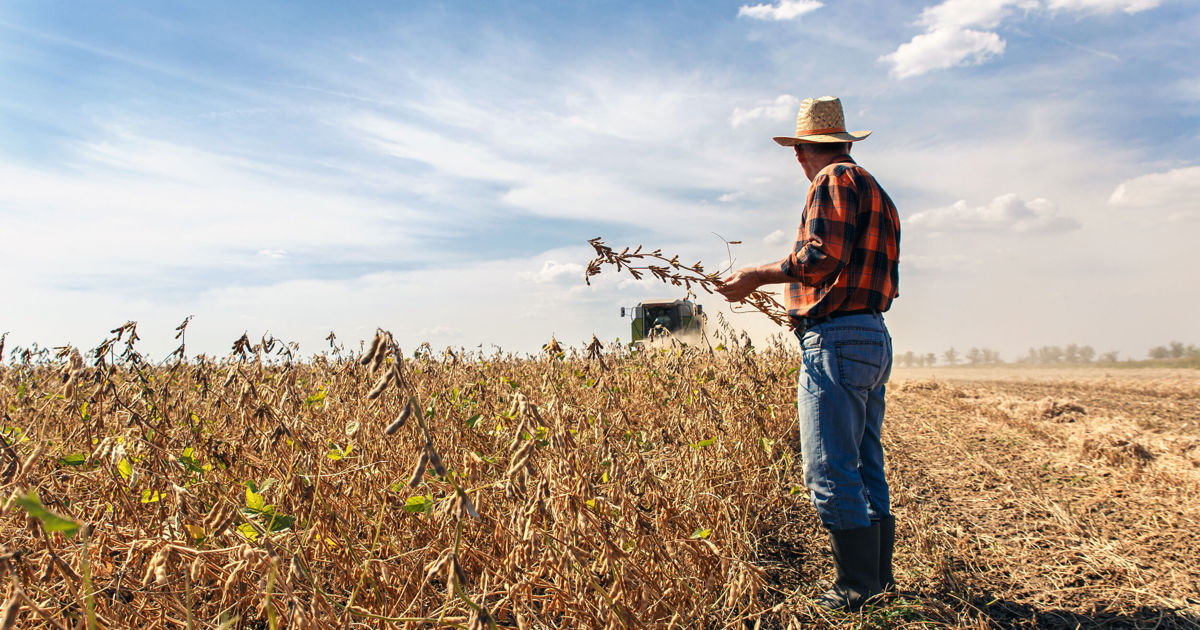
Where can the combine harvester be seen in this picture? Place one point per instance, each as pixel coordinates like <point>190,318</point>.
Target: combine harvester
<point>661,319</point>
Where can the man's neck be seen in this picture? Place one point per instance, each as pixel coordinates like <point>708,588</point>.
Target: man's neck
<point>818,165</point>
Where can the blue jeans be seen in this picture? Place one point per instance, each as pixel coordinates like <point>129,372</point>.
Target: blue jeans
<point>839,397</point>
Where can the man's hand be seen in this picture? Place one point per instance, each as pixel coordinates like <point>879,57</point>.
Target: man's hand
<point>740,285</point>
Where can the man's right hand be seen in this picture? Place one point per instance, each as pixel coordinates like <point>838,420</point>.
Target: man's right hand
<point>740,285</point>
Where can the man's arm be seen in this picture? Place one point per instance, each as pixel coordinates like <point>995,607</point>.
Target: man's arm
<point>830,219</point>
<point>743,282</point>
<point>830,227</point>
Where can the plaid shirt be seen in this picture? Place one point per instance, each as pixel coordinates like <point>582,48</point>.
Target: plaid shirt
<point>847,253</point>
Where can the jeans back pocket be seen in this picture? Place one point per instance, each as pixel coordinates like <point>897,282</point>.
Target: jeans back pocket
<point>861,364</point>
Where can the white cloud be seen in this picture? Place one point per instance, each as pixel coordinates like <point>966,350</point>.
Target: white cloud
<point>554,271</point>
<point>130,200</point>
<point>1175,193</point>
<point>783,10</point>
<point>1005,214</point>
<point>469,159</point>
<point>591,195</point>
<point>943,48</point>
<point>1187,89</point>
<point>952,36</point>
<point>595,145</point>
<point>972,13</point>
<point>731,197</point>
<point>778,237</point>
<point>781,108</point>
<point>1103,6</point>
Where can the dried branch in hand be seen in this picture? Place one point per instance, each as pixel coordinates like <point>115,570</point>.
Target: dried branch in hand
<point>638,263</point>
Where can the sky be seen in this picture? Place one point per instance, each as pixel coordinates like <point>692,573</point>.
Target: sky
<point>436,169</point>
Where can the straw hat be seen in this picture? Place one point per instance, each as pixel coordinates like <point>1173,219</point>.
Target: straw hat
<point>821,120</point>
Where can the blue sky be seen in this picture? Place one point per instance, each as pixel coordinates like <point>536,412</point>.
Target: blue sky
<point>436,168</point>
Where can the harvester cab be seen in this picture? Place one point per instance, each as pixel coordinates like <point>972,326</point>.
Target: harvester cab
<point>655,318</point>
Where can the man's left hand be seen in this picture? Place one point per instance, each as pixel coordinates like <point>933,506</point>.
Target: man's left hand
<point>740,285</point>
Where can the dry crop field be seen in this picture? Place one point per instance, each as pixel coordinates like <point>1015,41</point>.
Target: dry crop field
<point>584,488</point>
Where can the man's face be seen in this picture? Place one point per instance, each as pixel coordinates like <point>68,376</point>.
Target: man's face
<point>807,161</point>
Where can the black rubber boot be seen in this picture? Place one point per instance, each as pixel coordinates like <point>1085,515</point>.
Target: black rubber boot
<point>856,558</point>
<point>887,543</point>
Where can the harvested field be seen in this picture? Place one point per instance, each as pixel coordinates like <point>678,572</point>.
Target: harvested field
<point>654,489</point>
<point>1056,498</point>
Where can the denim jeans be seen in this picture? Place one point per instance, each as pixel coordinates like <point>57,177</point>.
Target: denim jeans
<point>839,397</point>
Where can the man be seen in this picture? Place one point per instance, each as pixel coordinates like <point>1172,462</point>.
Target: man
<point>841,275</point>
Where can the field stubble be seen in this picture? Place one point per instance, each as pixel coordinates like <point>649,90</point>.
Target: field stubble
<point>585,488</point>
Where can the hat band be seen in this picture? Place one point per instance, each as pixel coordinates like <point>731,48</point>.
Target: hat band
<point>817,132</point>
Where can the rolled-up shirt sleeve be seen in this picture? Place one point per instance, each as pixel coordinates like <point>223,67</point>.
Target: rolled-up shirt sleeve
<point>827,234</point>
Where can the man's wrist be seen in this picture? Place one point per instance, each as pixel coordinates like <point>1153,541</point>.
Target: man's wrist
<point>771,273</point>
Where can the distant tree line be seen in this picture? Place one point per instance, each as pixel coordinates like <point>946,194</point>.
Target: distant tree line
<point>1045,355</point>
<point>1048,355</point>
<point>1175,350</point>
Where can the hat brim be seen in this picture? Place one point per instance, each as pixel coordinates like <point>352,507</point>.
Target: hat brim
<point>844,136</point>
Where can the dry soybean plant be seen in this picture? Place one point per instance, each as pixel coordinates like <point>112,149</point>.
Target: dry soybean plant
<point>589,487</point>
<point>669,270</point>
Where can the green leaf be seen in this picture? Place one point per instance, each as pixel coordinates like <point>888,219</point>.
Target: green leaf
<point>12,435</point>
<point>74,459</point>
<point>189,461</point>
<point>315,399</point>
<point>280,522</point>
<point>151,496</point>
<point>705,442</point>
<point>255,501</point>
<point>796,490</point>
<point>418,504</point>
<point>701,534</point>
<point>51,522</point>
<point>470,422</point>
<point>247,531</point>
<point>792,371</point>
<point>125,468</point>
<point>337,452</point>
<point>21,391</point>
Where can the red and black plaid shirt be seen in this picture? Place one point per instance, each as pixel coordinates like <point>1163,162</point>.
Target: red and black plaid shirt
<point>847,253</point>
